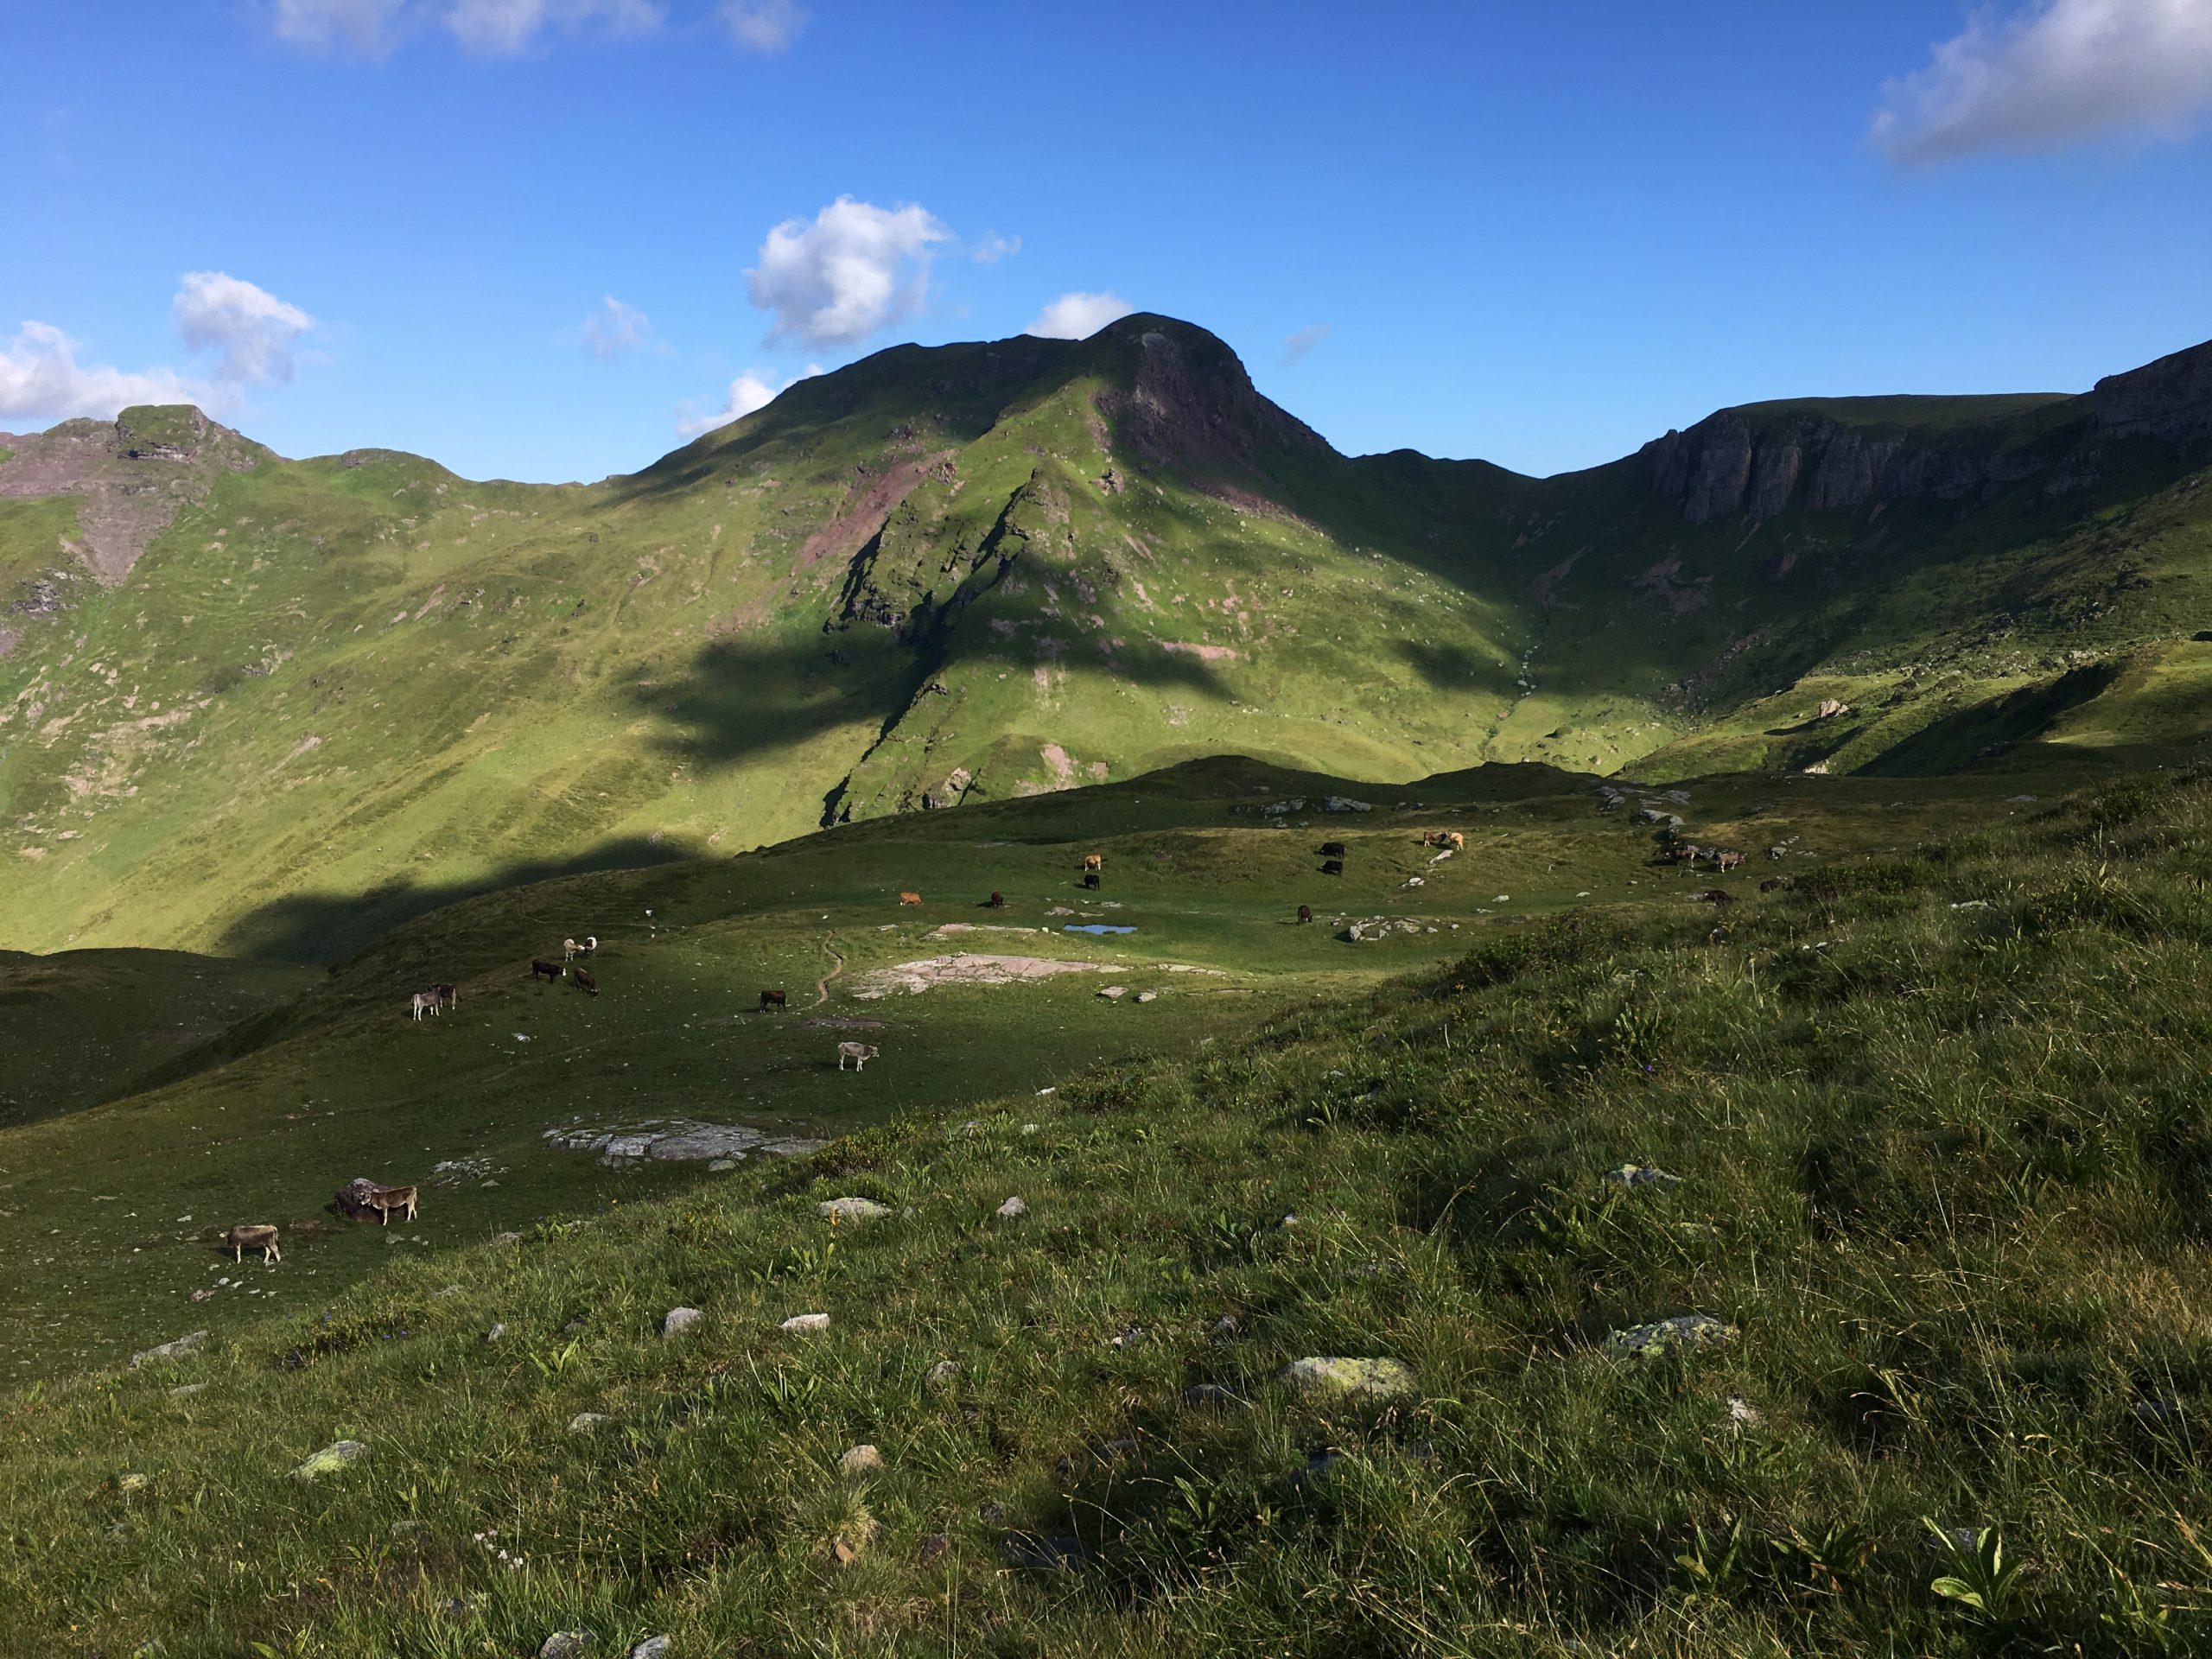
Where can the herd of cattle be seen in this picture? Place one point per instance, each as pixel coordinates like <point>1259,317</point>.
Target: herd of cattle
<point>358,1199</point>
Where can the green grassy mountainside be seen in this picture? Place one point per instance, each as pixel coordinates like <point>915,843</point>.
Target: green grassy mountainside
<point>1828,1280</point>
<point>263,707</point>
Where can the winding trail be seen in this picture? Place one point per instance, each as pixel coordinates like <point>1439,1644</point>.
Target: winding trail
<point>822,985</point>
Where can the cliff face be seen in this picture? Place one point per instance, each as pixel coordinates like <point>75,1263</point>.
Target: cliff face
<point>1759,462</point>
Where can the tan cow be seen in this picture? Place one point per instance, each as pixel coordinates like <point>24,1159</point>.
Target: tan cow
<point>910,898</point>
<point>259,1237</point>
<point>362,1195</point>
<point>1093,862</point>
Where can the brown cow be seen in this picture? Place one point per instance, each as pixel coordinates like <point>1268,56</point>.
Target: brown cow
<point>1093,862</point>
<point>996,901</point>
<point>1306,912</point>
<point>361,1195</point>
<point>585,982</point>
<point>448,997</point>
<point>910,898</point>
<point>773,999</point>
<point>253,1237</point>
<point>540,968</point>
<point>1728,861</point>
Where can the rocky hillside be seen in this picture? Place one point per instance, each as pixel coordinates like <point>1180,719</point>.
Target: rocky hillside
<point>269,707</point>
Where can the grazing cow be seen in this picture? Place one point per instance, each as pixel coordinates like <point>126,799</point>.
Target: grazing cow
<point>996,901</point>
<point>1090,879</point>
<point>1332,849</point>
<point>262,1238</point>
<point>571,950</point>
<point>1093,862</point>
<point>585,982</point>
<point>1332,866</point>
<point>1451,838</point>
<point>1773,883</point>
<point>1456,841</point>
<point>448,997</point>
<point>385,1200</point>
<point>539,968</point>
<point>859,1053</point>
<point>773,999</point>
<point>1306,912</point>
<point>1714,896</point>
<point>1728,861</point>
<point>910,898</point>
<point>424,1002</point>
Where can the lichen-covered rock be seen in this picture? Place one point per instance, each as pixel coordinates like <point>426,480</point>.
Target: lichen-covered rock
<point>565,1645</point>
<point>1643,1175</point>
<point>1685,1333</point>
<point>804,1322</point>
<point>841,1209</point>
<point>1012,1208</point>
<point>677,1321</point>
<point>1364,1380</point>
<point>176,1350</point>
<point>341,1454</point>
<point>860,1461</point>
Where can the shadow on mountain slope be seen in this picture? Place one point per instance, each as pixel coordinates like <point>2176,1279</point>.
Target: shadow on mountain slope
<point>1987,730</point>
<point>322,930</point>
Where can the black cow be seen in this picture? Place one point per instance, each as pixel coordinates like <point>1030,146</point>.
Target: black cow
<point>773,999</point>
<point>1332,849</point>
<point>539,968</point>
<point>1306,912</point>
<point>1334,867</point>
<point>1090,879</point>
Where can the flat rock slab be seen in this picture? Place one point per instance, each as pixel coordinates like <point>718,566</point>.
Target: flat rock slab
<point>914,977</point>
<point>860,1461</point>
<point>838,1210</point>
<point>679,1319</point>
<point>176,1350</point>
<point>585,1421</point>
<point>802,1322</point>
<point>342,1454</point>
<point>1362,1380</point>
<point>678,1140</point>
<point>565,1645</point>
<point>1683,1334</point>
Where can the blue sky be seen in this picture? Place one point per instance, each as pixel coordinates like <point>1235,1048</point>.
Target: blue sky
<point>1539,233</point>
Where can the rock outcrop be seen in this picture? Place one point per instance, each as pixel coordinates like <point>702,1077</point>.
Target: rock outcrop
<point>2170,398</point>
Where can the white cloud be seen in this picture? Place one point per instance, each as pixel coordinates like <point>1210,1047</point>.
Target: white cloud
<point>40,377</point>
<point>251,327</point>
<point>2059,71</point>
<point>615,328</point>
<point>748,392</point>
<point>995,247</point>
<point>1078,316</point>
<point>763,25</point>
<point>251,331</point>
<point>365,27</point>
<point>500,28</point>
<point>1297,345</point>
<point>857,268</point>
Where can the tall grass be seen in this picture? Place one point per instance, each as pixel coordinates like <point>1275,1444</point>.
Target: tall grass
<point>1940,1130</point>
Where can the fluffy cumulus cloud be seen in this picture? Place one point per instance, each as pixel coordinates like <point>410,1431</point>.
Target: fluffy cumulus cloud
<point>1078,316</point>
<point>2054,72</point>
<point>748,392</point>
<point>249,331</point>
<point>40,380</point>
<point>995,247</point>
<point>1297,345</point>
<point>763,25</point>
<point>616,329</point>
<point>366,27</point>
<point>853,269</point>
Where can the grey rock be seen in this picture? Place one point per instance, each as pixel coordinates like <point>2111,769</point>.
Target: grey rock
<point>565,1645</point>
<point>1114,993</point>
<point>860,1461</point>
<point>1351,1379</point>
<point>677,1321</point>
<point>653,1647</point>
<point>941,1375</point>
<point>495,1333</point>
<point>1011,1209</point>
<point>1684,1333</point>
<point>338,1455</point>
<point>841,1210</point>
<point>1643,1175</point>
<point>802,1322</point>
<point>1148,996</point>
<point>585,1421</point>
<point>1223,1328</point>
<point>175,1350</point>
<point>182,1389</point>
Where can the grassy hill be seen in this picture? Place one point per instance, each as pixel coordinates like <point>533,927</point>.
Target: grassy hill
<point>1935,1174</point>
<point>261,707</point>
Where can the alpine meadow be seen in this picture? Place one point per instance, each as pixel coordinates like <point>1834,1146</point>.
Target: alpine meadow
<point>1013,1005</point>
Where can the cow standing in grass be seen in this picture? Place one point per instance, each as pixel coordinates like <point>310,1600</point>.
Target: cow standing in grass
<point>859,1053</point>
<point>540,968</point>
<point>1305,913</point>
<point>262,1238</point>
<point>773,999</point>
<point>585,982</point>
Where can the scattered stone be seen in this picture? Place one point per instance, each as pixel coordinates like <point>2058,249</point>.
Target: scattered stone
<point>1350,1379</point>
<point>1223,1328</point>
<point>1114,993</point>
<point>653,1647</point>
<point>495,1332</point>
<point>677,1140</point>
<point>1128,1336</point>
<point>565,1645</point>
<point>941,1375</point>
<point>1215,1395</point>
<point>1012,1208</point>
<point>799,1322</point>
<point>572,1328</point>
<point>860,1461</point>
<point>185,1389</point>
<point>450,1290</point>
<point>1743,1413</point>
<point>202,1296</point>
<point>338,1455</point>
<point>176,1350</point>
<point>132,1482</point>
<point>1684,1333</point>
<point>1053,1553</point>
<point>930,1548</point>
<point>1641,1175</point>
<point>1148,996</point>
<point>401,1527</point>
<point>836,1209</point>
<point>717,1167</point>
<point>585,1421</point>
<point>677,1321</point>
<point>506,1238</point>
<point>1344,803</point>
